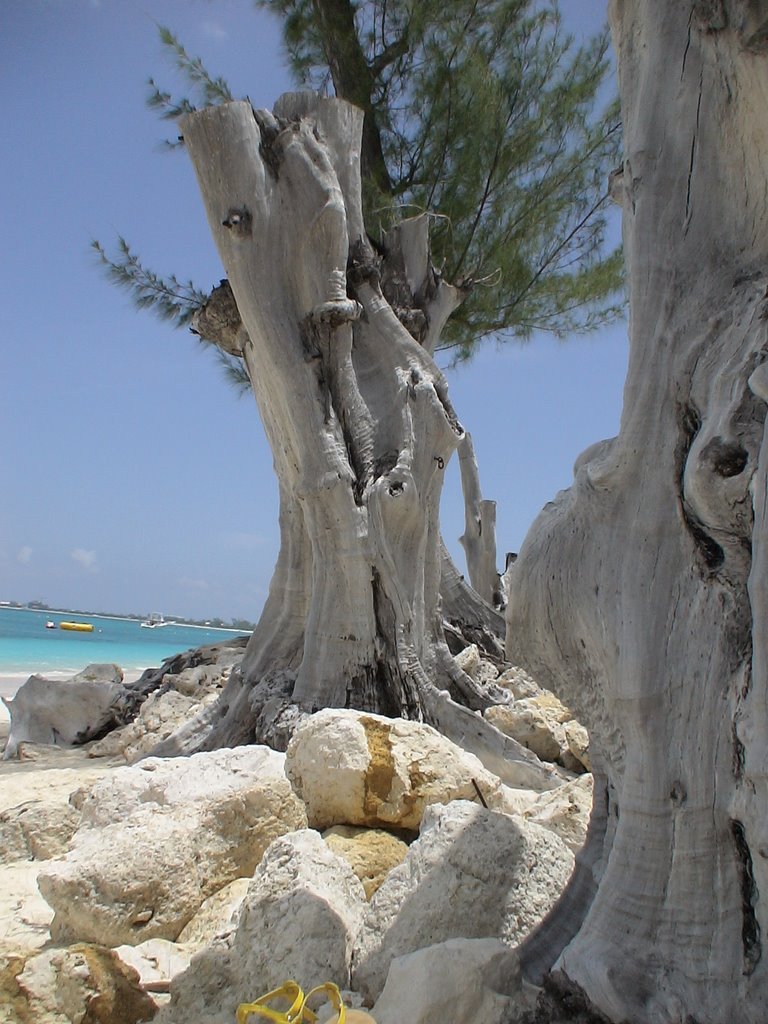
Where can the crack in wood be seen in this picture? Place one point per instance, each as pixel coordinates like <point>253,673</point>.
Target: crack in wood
<point>750,927</point>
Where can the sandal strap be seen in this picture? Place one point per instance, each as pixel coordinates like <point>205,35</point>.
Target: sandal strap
<point>333,994</point>
<point>288,990</point>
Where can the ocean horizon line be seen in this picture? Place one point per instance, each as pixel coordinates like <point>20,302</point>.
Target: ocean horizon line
<point>121,618</point>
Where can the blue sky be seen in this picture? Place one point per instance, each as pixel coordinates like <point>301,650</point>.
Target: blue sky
<point>132,478</point>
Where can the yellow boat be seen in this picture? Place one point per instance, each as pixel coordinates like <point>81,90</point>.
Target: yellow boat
<point>80,627</point>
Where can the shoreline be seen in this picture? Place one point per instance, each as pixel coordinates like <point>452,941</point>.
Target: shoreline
<point>121,618</point>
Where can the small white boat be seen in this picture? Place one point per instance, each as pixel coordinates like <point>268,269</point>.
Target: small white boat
<point>154,622</point>
<point>50,625</point>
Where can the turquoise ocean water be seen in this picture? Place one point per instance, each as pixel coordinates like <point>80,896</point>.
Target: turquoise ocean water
<point>26,646</point>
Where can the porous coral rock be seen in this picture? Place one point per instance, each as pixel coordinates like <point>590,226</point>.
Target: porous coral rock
<point>158,838</point>
<point>302,912</point>
<point>456,882</point>
<point>82,984</point>
<point>35,830</point>
<point>354,768</point>
<point>564,811</point>
<point>370,852</point>
<point>217,916</point>
<point>458,980</point>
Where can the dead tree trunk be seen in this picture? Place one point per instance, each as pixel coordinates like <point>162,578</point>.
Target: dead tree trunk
<point>479,537</point>
<point>336,340</point>
<point>641,594</point>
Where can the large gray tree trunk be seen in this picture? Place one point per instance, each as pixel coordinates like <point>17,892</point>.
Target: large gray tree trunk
<point>337,342</point>
<point>641,595</point>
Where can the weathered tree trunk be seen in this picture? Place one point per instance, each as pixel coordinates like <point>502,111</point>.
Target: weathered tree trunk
<point>336,340</point>
<point>479,537</point>
<point>641,594</point>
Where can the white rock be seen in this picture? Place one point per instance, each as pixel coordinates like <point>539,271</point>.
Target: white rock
<point>468,660</point>
<point>156,961</point>
<point>519,683</point>
<point>255,773</point>
<point>565,811</point>
<point>217,917</point>
<point>160,715</point>
<point>461,980</point>
<point>157,839</point>
<point>472,873</point>
<point>577,738</point>
<point>299,919</point>
<point>353,768</point>
<point>25,917</point>
<point>536,722</point>
<point>36,830</point>
<point>80,984</point>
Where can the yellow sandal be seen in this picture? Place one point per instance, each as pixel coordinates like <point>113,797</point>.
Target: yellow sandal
<point>332,994</point>
<point>344,1015</point>
<point>299,1012</point>
<point>287,991</point>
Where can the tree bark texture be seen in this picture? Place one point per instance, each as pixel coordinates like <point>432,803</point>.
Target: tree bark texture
<point>641,594</point>
<point>479,537</point>
<point>359,421</point>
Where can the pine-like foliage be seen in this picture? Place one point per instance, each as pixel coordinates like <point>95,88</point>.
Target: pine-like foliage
<point>168,298</point>
<point>484,112</point>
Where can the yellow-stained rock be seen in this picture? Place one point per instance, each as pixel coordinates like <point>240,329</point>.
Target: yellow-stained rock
<point>217,915</point>
<point>84,984</point>
<point>577,738</point>
<point>354,768</point>
<point>529,725</point>
<point>370,852</point>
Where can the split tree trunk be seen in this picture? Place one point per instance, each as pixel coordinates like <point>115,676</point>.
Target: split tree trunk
<point>641,594</point>
<point>337,342</point>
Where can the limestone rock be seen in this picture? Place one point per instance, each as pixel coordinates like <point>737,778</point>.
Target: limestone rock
<point>577,738</point>
<point>370,852</point>
<point>519,683</point>
<point>470,661</point>
<point>353,768</point>
<point>35,830</point>
<point>156,961</point>
<point>528,726</point>
<point>455,882</point>
<point>63,712</point>
<point>157,839</point>
<point>536,722</point>
<point>25,917</point>
<point>217,916</point>
<point>79,984</point>
<point>565,811</point>
<point>459,980</point>
<point>254,774</point>
<point>200,680</point>
<point>299,919</point>
<point>13,1003</point>
<point>160,715</point>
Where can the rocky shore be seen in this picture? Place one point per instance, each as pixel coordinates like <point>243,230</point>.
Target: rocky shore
<point>373,853</point>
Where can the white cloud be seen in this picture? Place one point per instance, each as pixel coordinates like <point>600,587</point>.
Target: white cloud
<point>87,559</point>
<point>24,555</point>
<point>214,30</point>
